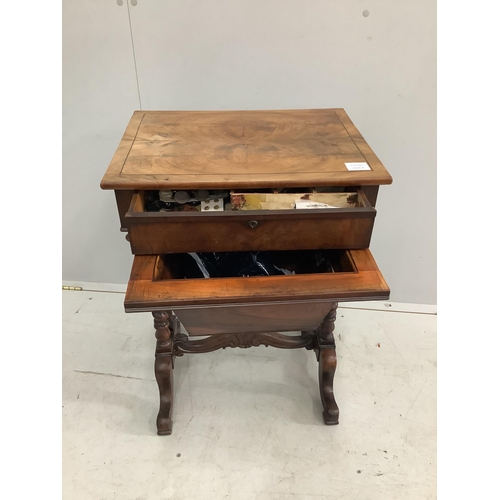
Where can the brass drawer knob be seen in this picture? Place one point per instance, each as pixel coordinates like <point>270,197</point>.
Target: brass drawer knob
<point>252,224</point>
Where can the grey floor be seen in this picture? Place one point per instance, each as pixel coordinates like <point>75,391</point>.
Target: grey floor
<point>247,422</point>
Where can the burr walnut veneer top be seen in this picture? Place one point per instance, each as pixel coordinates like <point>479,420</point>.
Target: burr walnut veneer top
<point>233,149</point>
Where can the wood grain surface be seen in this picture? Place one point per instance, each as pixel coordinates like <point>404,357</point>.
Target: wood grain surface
<point>253,318</point>
<point>197,233</point>
<point>209,149</point>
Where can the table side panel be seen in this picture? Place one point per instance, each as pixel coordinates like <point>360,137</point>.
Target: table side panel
<point>252,318</point>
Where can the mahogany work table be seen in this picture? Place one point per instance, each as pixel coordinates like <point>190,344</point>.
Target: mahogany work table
<point>260,163</point>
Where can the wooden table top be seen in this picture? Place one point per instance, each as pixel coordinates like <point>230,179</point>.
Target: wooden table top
<point>236,149</point>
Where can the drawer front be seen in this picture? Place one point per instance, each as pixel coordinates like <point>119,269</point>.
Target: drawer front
<point>154,285</point>
<point>156,233</point>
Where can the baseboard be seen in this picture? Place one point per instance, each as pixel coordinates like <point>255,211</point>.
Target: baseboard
<point>385,306</point>
<point>89,286</point>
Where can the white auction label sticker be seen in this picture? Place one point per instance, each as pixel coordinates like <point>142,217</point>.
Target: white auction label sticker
<point>360,165</point>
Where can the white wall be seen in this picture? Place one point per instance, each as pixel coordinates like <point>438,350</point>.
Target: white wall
<point>99,95</point>
<point>258,54</point>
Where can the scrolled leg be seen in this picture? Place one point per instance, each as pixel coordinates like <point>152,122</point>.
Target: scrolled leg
<point>325,330</point>
<point>327,364</point>
<point>165,377</point>
<point>164,371</point>
<point>309,334</point>
<point>326,371</point>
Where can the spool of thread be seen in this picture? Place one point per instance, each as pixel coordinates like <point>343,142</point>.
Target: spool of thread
<point>181,197</point>
<point>220,194</point>
<point>165,195</point>
<point>201,195</point>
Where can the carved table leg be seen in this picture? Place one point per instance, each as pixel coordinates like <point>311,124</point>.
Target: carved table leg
<point>164,371</point>
<point>327,359</point>
<point>309,334</point>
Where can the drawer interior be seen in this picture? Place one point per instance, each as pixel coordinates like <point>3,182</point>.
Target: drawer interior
<point>183,266</point>
<point>291,201</point>
<point>256,200</point>
<point>156,284</point>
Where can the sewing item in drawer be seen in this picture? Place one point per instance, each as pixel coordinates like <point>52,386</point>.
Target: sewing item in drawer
<point>290,201</point>
<point>213,205</point>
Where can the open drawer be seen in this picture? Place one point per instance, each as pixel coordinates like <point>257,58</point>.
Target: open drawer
<point>300,301</point>
<point>256,303</point>
<point>348,227</point>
